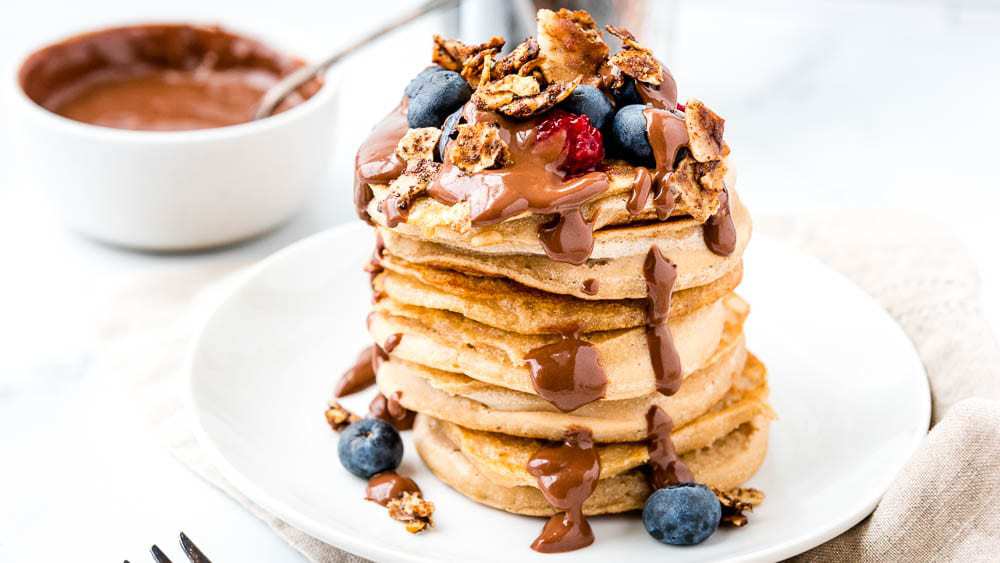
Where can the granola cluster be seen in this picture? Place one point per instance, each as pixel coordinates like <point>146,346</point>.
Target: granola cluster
<point>735,502</point>
<point>413,510</point>
<point>339,417</point>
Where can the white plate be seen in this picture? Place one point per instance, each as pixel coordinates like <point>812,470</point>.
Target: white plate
<point>851,394</point>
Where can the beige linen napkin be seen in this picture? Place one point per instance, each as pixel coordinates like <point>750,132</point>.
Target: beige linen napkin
<point>941,506</point>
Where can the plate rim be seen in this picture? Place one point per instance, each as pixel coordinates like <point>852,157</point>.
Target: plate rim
<point>342,540</point>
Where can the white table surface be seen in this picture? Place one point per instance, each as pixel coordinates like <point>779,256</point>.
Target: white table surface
<point>829,105</point>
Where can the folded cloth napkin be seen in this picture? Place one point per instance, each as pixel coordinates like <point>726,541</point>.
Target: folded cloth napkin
<point>942,504</point>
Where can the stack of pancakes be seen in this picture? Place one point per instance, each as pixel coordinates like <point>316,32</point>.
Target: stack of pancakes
<point>516,308</point>
<point>469,319</point>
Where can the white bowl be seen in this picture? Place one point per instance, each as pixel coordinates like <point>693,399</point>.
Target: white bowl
<point>178,190</point>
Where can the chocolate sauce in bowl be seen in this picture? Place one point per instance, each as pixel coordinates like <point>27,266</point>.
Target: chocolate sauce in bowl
<point>660,275</point>
<point>665,466</point>
<point>567,475</point>
<point>390,410</point>
<point>389,485</point>
<point>567,373</point>
<point>376,161</point>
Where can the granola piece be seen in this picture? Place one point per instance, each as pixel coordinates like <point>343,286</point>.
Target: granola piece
<point>475,70</point>
<point>705,129</point>
<point>414,510</point>
<point>478,147</point>
<point>634,59</point>
<point>418,144</point>
<point>513,62</point>
<point>735,502</point>
<point>338,417</point>
<point>554,93</point>
<point>406,188</point>
<point>493,95</point>
<point>570,44</point>
<point>452,53</point>
<point>696,195</point>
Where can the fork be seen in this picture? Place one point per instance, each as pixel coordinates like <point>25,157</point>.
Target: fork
<point>194,554</point>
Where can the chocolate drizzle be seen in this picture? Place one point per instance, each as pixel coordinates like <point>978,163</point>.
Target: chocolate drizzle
<point>567,475</point>
<point>376,161</point>
<point>567,373</point>
<point>532,183</point>
<point>667,135</point>
<point>591,286</point>
<point>389,485</point>
<point>665,466</point>
<point>390,410</point>
<point>358,377</point>
<point>719,230</point>
<point>660,275</point>
<point>662,96</point>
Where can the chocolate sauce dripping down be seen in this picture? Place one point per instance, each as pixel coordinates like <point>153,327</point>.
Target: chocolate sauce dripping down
<point>567,373</point>
<point>389,485</point>
<point>662,96</point>
<point>665,466</point>
<point>376,161</point>
<point>591,286</point>
<point>660,275</point>
<point>358,377</point>
<point>532,183</point>
<point>567,475</point>
<point>667,135</point>
<point>570,238</point>
<point>374,265</point>
<point>395,212</point>
<point>719,230</point>
<point>390,410</point>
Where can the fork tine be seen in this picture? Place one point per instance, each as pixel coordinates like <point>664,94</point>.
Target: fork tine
<point>159,555</point>
<point>192,551</point>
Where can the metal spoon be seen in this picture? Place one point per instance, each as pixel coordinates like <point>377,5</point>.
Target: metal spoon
<point>277,93</point>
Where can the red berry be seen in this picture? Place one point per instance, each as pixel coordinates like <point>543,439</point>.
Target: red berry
<point>584,148</point>
<point>680,107</point>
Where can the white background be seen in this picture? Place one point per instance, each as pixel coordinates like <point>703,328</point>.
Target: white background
<point>829,105</point>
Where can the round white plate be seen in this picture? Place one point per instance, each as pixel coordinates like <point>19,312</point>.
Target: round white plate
<point>851,396</point>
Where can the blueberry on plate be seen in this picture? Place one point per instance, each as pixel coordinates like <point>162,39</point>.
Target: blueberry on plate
<point>684,514</point>
<point>589,101</point>
<point>628,130</point>
<point>419,80</point>
<point>447,134</point>
<point>627,94</point>
<point>441,93</point>
<point>370,446</point>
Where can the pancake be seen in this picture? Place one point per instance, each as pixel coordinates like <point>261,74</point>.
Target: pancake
<point>434,221</point>
<point>727,463</point>
<point>450,342</point>
<point>503,459</point>
<point>476,405</point>
<point>505,304</point>
<point>616,261</point>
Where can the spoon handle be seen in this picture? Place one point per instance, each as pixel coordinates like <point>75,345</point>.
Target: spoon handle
<point>277,93</point>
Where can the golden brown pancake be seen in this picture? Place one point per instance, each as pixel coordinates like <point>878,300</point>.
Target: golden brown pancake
<point>506,304</point>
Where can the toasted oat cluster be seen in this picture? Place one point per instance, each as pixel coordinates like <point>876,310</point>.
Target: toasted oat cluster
<point>413,510</point>
<point>339,417</point>
<point>737,501</point>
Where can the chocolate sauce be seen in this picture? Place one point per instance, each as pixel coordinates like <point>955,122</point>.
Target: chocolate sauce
<point>390,410</point>
<point>395,212</point>
<point>665,466</point>
<point>591,286</point>
<point>392,342</point>
<point>667,135</point>
<point>389,485</point>
<point>376,161</point>
<point>570,238</point>
<point>567,475</point>
<point>663,96</point>
<point>660,275</point>
<point>163,77</point>
<point>358,377</point>
<point>719,230</point>
<point>642,185</point>
<point>533,183</point>
<point>567,373</point>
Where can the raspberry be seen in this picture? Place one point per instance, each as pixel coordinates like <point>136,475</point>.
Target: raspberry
<point>681,107</point>
<point>584,148</point>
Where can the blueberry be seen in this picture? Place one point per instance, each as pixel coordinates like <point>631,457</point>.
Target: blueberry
<point>627,94</point>
<point>628,130</point>
<point>447,133</point>
<point>370,446</point>
<point>441,93</point>
<point>419,80</point>
<point>682,514</point>
<point>591,102</point>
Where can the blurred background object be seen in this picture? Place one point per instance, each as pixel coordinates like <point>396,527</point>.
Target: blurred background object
<point>830,104</point>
